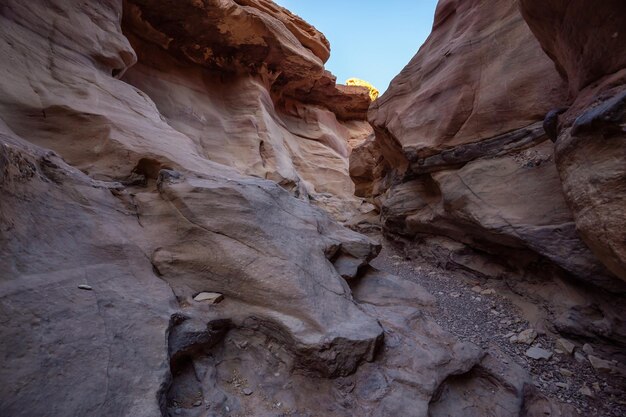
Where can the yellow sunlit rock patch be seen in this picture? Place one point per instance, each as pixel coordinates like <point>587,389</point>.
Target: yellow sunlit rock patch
<point>362,83</point>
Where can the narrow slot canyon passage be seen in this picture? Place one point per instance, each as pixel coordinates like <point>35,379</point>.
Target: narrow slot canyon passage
<point>199,219</point>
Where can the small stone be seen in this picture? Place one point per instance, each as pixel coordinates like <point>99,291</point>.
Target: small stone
<point>562,385</point>
<point>209,297</point>
<point>588,349</point>
<point>85,287</point>
<point>565,345</point>
<point>513,339</point>
<point>528,336</point>
<point>242,345</point>
<point>596,387</point>
<point>197,403</point>
<point>440,293</point>
<point>247,391</point>
<point>538,353</point>
<point>509,335</point>
<point>586,391</point>
<point>580,357</point>
<point>455,294</point>
<point>477,289</point>
<point>489,291</point>
<point>566,372</point>
<point>600,364</point>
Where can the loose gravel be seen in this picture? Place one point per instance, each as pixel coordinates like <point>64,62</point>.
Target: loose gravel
<point>489,319</point>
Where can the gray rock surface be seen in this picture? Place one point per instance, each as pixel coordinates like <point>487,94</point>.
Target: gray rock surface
<point>537,353</point>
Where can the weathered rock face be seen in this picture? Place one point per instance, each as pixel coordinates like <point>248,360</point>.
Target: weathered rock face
<point>233,92</point>
<point>467,153</point>
<point>585,47</point>
<point>444,107</point>
<point>591,145</point>
<point>122,203</point>
<point>234,36</point>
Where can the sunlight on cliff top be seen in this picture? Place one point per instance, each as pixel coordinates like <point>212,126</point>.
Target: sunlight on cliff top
<point>362,83</point>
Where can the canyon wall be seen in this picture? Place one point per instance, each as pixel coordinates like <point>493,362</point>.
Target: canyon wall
<point>159,250</point>
<point>589,51</point>
<point>466,170</point>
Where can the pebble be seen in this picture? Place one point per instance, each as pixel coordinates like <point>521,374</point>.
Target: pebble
<point>247,391</point>
<point>455,294</point>
<point>489,291</point>
<point>528,336</point>
<point>600,364</point>
<point>586,391</point>
<point>85,287</point>
<point>562,385</point>
<point>580,358</point>
<point>209,297</point>
<point>538,353</point>
<point>566,372</point>
<point>588,349</point>
<point>197,403</point>
<point>565,345</point>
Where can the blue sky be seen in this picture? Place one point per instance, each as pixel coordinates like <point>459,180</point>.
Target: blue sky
<point>370,39</point>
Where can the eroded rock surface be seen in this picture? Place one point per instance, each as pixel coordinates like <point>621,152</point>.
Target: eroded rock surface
<point>253,95</point>
<point>176,177</point>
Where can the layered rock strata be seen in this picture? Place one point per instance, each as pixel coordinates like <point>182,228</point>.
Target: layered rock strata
<point>464,153</point>
<point>589,51</point>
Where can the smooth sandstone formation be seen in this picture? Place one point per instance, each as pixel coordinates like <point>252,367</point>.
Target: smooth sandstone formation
<point>152,182</point>
<point>446,99</point>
